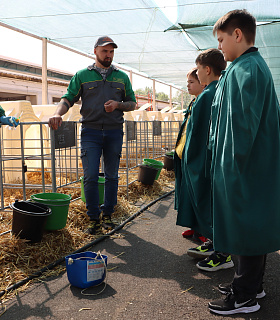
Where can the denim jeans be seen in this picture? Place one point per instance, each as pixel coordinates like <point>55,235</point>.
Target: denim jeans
<point>94,143</point>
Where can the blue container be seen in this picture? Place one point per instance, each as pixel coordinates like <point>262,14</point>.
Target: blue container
<point>86,269</point>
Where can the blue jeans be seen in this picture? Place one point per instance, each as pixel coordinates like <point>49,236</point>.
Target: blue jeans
<point>94,143</point>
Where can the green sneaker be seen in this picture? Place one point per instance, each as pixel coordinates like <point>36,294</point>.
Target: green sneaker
<point>201,252</point>
<point>107,223</point>
<point>95,227</point>
<point>215,262</point>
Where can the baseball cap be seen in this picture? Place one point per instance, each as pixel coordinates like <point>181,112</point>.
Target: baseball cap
<point>103,41</point>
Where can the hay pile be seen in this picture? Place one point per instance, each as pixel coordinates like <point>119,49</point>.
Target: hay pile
<point>19,259</point>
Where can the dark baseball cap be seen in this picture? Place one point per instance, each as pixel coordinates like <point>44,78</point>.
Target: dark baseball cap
<point>103,41</point>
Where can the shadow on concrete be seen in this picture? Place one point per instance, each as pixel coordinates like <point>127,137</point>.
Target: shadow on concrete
<point>150,249</point>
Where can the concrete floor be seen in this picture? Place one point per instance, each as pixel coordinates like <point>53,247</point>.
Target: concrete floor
<point>152,278</point>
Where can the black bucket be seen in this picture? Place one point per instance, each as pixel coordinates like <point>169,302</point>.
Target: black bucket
<point>29,220</point>
<point>147,174</point>
<point>168,162</point>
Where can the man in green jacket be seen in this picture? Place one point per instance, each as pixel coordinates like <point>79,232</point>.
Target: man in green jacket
<point>106,93</point>
<point>245,171</point>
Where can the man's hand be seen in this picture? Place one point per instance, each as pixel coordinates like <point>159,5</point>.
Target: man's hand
<point>110,105</point>
<point>55,121</point>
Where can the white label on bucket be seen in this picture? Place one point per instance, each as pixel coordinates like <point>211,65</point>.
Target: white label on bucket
<point>95,270</point>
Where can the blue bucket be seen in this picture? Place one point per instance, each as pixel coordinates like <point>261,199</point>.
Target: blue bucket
<point>86,269</point>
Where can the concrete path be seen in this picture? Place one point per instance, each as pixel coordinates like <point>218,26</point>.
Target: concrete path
<point>154,279</point>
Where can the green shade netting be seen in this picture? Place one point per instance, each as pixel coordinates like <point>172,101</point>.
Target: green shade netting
<point>138,27</point>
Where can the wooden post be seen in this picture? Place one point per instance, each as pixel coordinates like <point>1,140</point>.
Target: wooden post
<point>130,76</point>
<point>154,95</point>
<point>44,72</point>
<point>170,98</point>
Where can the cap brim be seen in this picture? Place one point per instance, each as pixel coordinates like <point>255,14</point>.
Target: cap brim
<point>106,43</point>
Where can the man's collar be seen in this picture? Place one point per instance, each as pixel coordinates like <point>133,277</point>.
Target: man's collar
<point>93,67</point>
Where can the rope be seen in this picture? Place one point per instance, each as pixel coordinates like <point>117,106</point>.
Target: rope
<point>98,254</point>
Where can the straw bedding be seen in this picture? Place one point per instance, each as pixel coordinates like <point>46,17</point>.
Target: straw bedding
<point>19,259</point>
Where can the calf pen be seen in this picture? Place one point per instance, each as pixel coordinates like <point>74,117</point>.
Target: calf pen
<point>36,158</point>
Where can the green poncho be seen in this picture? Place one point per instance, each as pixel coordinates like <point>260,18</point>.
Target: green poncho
<point>245,170</point>
<point>2,112</point>
<point>192,190</point>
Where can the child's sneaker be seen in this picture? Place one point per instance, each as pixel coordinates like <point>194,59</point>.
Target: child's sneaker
<point>95,227</point>
<point>188,233</point>
<point>215,262</point>
<point>107,223</point>
<point>227,288</point>
<point>202,251</point>
<point>232,305</point>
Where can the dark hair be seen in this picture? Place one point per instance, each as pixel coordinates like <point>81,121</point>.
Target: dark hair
<point>193,74</point>
<point>240,19</point>
<point>212,58</point>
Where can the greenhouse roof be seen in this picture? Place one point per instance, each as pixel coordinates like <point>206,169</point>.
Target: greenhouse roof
<point>147,40</point>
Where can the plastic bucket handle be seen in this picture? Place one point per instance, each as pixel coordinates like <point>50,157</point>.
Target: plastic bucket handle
<point>46,212</point>
<point>71,261</point>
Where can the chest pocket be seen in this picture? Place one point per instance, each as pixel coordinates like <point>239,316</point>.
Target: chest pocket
<point>91,86</point>
<point>90,89</point>
<point>118,91</point>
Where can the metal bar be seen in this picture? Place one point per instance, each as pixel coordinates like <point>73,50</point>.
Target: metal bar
<point>126,137</point>
<point>42,158</point>
<point>53,175</point>
<point>44,72</point>
<point>154,95</point>
<point>20,31</point>
<point>170,98</point>
<point>77,153</point>
<point>136,144</point>
<point>147,138</point>
<point>22,161</point>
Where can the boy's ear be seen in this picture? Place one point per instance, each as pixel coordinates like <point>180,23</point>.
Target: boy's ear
<point>238,34</point>
<point>208,70</point>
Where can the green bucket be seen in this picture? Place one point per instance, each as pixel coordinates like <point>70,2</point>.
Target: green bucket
<point>101,183</point>
<point>155,164</point>
<point>59,204</point>
<point>170,153</point>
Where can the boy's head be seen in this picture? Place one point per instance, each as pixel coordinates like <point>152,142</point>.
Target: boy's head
<point>210,64</point>
<point>194,86</point>
<point>236,32</point>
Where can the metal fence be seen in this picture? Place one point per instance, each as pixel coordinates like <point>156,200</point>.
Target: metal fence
<point>33,156</point>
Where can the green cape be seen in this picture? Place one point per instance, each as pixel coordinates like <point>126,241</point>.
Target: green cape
<point>193,188</point>
<point>245,170</point>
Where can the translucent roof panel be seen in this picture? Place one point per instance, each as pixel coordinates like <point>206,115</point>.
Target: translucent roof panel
<point>197,20</point>
<point>207,12</point>
<point>136,26</point>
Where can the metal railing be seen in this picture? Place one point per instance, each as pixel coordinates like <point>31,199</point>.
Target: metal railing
<point>33,156</point>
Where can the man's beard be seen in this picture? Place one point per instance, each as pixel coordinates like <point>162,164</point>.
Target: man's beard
<point>105,63</point>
